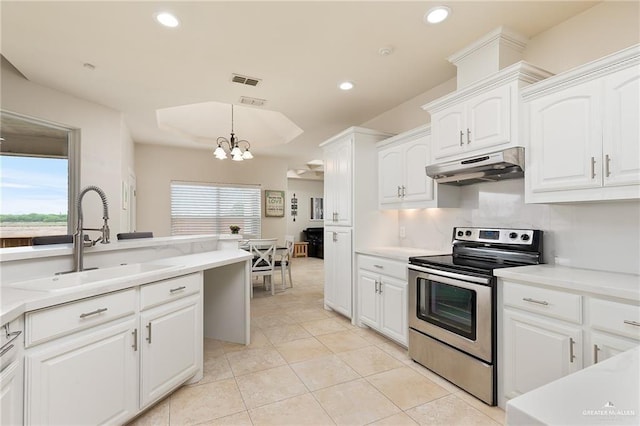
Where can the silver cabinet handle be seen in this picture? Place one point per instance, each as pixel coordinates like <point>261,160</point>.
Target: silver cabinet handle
<point>6,349</point>
<point>96,312</point>
<point>404,191</point>
<point>135,339</point>
<point>335,237</point>
<point>378,266</point>
<point>399,194</point>
<point>539,302</point>
<point>461,135</point>
<point>380,287</point>
<point>637,324</point>
<point>468,136</point>
<point>593,167</point>
<point>149,333</point>
<point>376,286</point>
<point>607,165</point>
<point>173,290</point>
<point>596,349</point>
<point>571,354</point>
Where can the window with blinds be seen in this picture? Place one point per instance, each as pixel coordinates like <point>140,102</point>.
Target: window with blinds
<point>207,208</point>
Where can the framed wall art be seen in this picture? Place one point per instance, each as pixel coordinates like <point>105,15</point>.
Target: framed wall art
<point>273,203</point>
<point>317,209</point>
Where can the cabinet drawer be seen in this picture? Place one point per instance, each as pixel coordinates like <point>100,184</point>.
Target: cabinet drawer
<point>172,289</point>
<point>614,317</point>
<point>556,304</point>
<point>383,266</point>
<point>60,320</point>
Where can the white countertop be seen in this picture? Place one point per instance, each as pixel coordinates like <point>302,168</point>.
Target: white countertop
<point>605,393</point>
<point>600,283</point>
<point>14,302</point>
<point>400,253</point>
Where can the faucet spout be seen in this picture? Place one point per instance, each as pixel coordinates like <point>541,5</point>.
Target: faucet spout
<point>78,237</point>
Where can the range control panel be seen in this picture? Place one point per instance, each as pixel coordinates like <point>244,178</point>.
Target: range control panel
<point>494,235</point>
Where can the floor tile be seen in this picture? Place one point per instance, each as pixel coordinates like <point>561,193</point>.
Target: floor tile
<point>239,419</point>
<point>323,326</point>
<point>197,404</point>
<point>299,410</point>
<point>342,341</point>
<point>272,320</point>
<point>158,415</point>
<point>400,419</point>
<point>449,411</point>
<point>369,360</point>
<point>252,360</point>
<point>285,333</point>
<point>265,387</point>
<point>302,350</point>
<point>496,413</point>
<point>355,403</point>
<point>308,314</point>
<point>406,388</point>
<point>215,368</point>
<point>325,371</point>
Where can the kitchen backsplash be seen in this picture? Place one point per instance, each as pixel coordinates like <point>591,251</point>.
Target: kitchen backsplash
<point>602,236</point>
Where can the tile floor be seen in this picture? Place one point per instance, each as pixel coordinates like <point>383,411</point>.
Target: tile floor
<point>309,366</point>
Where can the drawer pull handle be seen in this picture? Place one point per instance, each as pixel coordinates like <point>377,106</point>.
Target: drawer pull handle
<point>607,165</point>
<point>96,312</point>
<point>596,349</point>
<point>636,323</point>
<point>13,336</point>
<point>149,333</point>
<point>5,350</point>
<point>461,134</point>
<point>539,302</point>
<point>135,340</point>
<point>173,290</point>
<point>378,266</point>
<point>468,136</point>
<point>593,167</point>
<point>571,354</point>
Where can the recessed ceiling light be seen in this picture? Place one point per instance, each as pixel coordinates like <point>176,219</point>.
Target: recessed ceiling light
<point>437,14</point>
<point>167,19</point>
<point>346,85</point>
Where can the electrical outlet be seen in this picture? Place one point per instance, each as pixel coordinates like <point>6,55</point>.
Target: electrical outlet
<point>402,232</point>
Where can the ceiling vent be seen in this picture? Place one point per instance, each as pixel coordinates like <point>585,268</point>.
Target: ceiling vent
<point>252,101</point>
<point>243,79</point>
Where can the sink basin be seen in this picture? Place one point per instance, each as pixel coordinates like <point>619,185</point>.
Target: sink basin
<point>76,279</point>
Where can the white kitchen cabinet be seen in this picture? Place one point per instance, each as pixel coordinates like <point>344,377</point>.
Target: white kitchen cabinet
<point>480,117</point>
<point>382,296</point>
<point>87,378</point>
<point>402,179</point>
<point>338,270</point>
<point>537,351</point>
<point>605,346</point>
<point>338,182</point>
<point>11,393</point>
<point>582,132</point>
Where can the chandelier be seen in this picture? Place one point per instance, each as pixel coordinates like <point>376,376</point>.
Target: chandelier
<point>233,146</point>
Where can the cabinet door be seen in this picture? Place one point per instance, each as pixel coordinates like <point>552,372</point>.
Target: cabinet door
<point>621,146</point>
<point>11,393</point>
<point>605,346</point>
<point>90,378</point>
<point>417,185</point>
<point>488,119</point>
<point>330,185</point>
<point>389,176</point>
<point>565,139</point>
<point>344,183</point>
<point>447,131</point>
<point>393,318</point>
<point>337,266</point>
<point>368,302</point>
<point>168,347</point>
<point>537,351</point>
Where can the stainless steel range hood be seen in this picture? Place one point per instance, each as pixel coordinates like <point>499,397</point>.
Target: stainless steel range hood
<point>505,164</point>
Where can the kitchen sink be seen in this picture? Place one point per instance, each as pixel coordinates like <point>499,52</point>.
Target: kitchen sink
<point>76,279</point>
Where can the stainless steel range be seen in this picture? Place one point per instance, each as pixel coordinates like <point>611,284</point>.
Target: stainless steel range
<point>452,304</point>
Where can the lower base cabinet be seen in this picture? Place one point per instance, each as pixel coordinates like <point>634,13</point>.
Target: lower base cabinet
<point>89,379</point>
<point>11,393</point>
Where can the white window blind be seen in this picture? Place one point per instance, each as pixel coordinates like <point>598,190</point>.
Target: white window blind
<point>207,208</point>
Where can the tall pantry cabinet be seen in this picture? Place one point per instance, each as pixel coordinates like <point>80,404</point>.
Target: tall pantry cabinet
<point>351,215</point>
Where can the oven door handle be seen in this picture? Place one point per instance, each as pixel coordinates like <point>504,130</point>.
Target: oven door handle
<point>435,273</point>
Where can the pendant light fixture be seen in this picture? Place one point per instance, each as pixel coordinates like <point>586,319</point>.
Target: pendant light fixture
<point>233,146</point>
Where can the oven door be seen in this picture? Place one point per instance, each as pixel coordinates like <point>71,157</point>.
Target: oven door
<point>453,308</point>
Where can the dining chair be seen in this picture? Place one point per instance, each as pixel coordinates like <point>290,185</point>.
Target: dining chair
<point>284,263</point>
<point>262,265</point>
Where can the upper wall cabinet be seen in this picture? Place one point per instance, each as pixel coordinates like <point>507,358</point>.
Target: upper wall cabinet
<point>402,180</point>
<point>482,116</point>
<point>583,133</point>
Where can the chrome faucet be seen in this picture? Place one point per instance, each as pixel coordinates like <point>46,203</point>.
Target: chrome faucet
<point>78,237</point>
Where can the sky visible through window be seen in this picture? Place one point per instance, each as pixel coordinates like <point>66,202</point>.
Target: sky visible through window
<point>33,185</point>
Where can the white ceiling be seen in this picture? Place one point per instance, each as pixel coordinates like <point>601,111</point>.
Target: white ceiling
<point>299,49</point>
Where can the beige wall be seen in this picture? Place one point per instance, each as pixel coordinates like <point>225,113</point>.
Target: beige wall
<point>157,166</point>
<point>304,190</point>
<point>106,149</point>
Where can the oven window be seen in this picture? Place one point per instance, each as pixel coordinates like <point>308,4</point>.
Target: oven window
<point>450,307</point>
